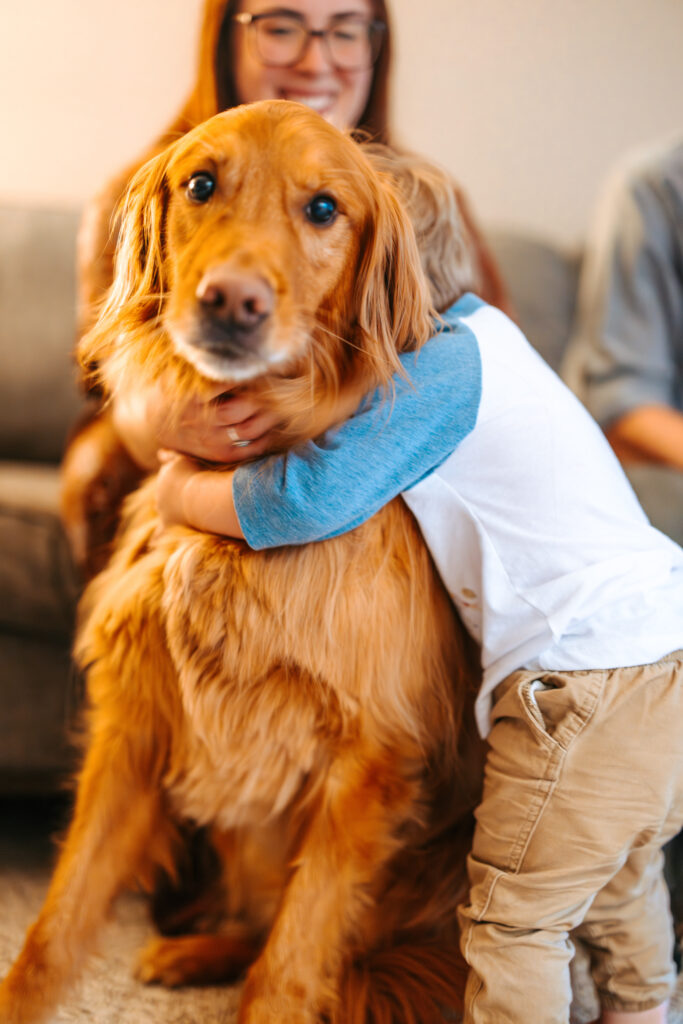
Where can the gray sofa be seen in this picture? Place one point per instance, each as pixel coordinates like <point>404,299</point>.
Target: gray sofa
<point>39,400</point>
<point>38,586</point>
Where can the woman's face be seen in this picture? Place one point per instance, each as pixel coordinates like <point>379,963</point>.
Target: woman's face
<point>339,95</point>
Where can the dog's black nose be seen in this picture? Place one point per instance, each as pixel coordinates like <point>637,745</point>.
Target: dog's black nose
<point>236,304</point>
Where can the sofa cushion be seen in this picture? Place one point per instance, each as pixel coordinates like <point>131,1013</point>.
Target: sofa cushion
<point>38,393</point>
<point>38,584</point>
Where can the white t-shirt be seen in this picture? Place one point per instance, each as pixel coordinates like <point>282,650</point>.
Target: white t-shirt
<point>536,532</point>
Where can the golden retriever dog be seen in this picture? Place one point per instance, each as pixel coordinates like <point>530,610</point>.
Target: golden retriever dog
<point>307,704</point>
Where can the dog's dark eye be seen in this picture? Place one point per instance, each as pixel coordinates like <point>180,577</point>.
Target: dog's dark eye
<point>321,209</point>
<point>200,187</point>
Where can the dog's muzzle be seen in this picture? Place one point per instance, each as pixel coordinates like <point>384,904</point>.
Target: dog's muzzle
<point>234,311</point>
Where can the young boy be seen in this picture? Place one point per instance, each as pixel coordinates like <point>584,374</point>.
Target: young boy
<point>577,603</point>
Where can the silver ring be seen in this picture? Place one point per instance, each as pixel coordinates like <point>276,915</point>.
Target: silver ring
<point>240,444</point>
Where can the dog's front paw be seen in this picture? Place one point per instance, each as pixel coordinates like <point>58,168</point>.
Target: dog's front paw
<point>166,962</point>
<point>198,959</point>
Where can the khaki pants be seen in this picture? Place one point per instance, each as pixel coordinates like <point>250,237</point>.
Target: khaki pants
<point>583,786</point>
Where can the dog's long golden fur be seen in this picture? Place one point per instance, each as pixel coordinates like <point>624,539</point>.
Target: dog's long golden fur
<point>306,703</point>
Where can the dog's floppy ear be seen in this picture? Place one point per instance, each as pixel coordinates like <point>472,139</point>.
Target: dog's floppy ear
<point>393,302</point>
<point>136,295</point>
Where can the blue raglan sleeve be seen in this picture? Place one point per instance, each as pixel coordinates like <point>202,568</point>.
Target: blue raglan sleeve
<point>330,486</point>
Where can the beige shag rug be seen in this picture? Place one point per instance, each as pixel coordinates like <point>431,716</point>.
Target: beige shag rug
<point>108,992</point>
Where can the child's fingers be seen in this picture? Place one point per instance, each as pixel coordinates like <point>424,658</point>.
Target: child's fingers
<point>241,450</point>
<point>253,428</point>
<point>235,409</point>
<point>215,440</point>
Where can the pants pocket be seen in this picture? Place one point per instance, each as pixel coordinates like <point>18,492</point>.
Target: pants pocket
<point>560,704</point>
<point>517,708</point>
<point>529,692</point>
<point>554,706</point>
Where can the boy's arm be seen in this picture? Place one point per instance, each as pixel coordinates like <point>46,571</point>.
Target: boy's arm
<point>189,495</point>
<point>331,486</point>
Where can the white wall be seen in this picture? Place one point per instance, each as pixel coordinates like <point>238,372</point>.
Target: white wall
<point>530,101</point>
<point>527,101</point>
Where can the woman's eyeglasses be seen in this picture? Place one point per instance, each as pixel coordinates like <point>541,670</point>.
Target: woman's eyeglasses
<point>280,40</point>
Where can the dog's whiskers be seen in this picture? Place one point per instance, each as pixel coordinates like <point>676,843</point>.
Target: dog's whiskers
<point>338,337</point>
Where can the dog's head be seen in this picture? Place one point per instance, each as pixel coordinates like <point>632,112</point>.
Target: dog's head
<point>263,244</point>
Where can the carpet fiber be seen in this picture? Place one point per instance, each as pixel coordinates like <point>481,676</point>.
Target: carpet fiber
<point>108,992</point>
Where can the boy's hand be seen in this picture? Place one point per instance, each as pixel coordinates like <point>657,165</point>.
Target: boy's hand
<point>225,428</point>
<point>219,427</point>
<point>188,495</point>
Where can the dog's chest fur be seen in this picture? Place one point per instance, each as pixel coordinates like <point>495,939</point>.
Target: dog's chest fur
<point>246,748</point>
<point>259,716</point>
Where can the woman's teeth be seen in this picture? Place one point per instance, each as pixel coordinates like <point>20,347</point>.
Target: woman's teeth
<point>317,103</point>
